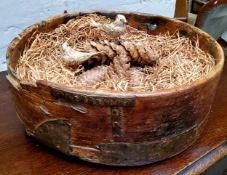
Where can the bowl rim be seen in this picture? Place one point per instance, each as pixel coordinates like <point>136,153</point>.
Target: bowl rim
<point>185,87</point>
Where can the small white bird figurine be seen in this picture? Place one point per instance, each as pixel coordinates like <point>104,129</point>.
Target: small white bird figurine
<point>72,56</point>
<point>115,28</point>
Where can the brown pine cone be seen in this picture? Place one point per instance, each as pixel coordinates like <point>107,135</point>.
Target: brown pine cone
<point>148,56</point>
<point>103,48</point>
<point>93,76</point>
<point>127,51</point>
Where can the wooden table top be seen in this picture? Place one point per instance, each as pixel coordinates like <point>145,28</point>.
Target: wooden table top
<point>20,155</point>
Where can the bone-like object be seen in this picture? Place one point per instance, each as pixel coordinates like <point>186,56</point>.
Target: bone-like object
<point>115,28</point>
<point>72,56</point>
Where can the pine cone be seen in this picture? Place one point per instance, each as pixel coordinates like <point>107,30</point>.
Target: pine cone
<point>103,48</point>
<point>121,54</point>
<point>91,77</point>
<point>147,56</point>
<point>120,67</point>
<point>127,51</point>
<point>117,71</point>
<point>136,77</point>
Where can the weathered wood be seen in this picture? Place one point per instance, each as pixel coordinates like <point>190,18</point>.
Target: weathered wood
<point>207,161</point>
<point>55,134</point>
<point>122,129</point>
<point>93,99</point>
<point>21,155</point>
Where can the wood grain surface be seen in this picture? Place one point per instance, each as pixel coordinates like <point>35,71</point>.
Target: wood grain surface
<point>20,155</point>
<point>119,129</point>
<point>181,11</point>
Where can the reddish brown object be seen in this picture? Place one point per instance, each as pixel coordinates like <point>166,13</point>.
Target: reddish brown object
<point>209,5</point>
<point>123,129</point>
<point>21,155</point>
<point>181,10</point>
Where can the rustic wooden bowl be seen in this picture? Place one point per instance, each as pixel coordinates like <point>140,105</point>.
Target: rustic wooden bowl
<point>122,129</point>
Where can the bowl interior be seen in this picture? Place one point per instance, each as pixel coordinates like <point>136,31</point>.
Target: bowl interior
<point>150,23</point>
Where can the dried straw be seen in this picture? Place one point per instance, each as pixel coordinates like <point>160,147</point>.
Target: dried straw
<point>181,61</point>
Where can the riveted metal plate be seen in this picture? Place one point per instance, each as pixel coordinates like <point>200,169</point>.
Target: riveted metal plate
<point>134,154</point>
<point>55,134</point>
<point>116,116</point>
<point>93,99</point>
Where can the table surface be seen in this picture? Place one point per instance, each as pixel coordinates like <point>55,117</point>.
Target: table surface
<point>21,155</point>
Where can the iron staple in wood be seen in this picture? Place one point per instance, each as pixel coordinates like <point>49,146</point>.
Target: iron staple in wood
<point>116,115</point>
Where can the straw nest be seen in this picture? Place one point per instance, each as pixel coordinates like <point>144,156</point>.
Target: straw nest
<point>180,61</point>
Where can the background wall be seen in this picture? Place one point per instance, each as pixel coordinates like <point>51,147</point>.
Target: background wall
<point>15,15</point>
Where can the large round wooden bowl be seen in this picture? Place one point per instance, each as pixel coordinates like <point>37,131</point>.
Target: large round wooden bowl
<point>122,129</point>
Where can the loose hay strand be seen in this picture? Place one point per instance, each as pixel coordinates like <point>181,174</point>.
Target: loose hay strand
<point>181,61</point>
